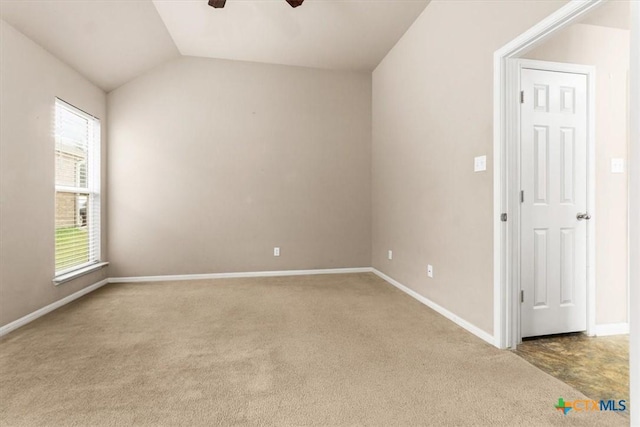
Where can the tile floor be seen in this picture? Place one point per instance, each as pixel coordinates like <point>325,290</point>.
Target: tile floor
<point>596,366</point>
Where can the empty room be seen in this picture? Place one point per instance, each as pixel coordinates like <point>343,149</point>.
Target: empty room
<point>319,212</point>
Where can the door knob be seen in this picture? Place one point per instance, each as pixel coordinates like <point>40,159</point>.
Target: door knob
<point>582,216</point>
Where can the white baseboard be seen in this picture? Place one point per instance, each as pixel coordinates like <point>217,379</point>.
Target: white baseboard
<point>49,308</point>
<point>236,275</point>
<point>607,329</point>
<point>439,309</point>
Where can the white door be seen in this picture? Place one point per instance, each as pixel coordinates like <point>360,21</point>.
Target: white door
<point>554,184</point>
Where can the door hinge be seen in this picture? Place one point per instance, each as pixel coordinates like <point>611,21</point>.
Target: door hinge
<point>521,97</point>
<point>503,217</point>
<point>521,296</point>
<point>521,196</point>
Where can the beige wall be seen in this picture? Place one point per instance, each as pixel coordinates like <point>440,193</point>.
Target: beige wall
<point>608,50</point>
<point>432,113</point>
<point>213,163</point>
<point>30,79</point>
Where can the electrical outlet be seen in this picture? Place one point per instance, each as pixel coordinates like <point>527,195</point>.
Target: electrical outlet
<point>390,256</point>
<point>276,251</point>
<point>430,270</point>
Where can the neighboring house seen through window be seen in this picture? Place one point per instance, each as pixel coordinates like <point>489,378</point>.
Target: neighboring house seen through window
<point>77,157</point>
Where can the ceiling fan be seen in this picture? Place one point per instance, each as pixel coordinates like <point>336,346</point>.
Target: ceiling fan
<point>220,3</point>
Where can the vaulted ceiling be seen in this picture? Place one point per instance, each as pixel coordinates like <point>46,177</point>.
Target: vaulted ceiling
<point>334,34</point>
<point>112,41</point>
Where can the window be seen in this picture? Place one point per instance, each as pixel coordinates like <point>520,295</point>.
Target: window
<point>77,157</point>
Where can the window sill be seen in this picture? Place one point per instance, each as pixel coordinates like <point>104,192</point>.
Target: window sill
<point>66,277</point>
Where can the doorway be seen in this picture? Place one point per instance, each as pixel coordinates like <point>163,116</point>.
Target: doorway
<point>611,314</point>
<point>507,187</point>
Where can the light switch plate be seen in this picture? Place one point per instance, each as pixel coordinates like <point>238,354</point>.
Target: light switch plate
<point>390,255</point>
<point>617,165</point>
<point>480,164</point>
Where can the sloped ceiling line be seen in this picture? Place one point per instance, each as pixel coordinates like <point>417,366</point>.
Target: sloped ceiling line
<point>111,41</point>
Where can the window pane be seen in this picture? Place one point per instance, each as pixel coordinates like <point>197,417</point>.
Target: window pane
<point>72,128</point>
<point>77,199</point>
<point>72,231</point>
<point>71,170</point>
<point>72,143</point>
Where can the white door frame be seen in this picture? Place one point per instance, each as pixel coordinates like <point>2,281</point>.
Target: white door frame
<point>514,72</point>
<point>506,194</point>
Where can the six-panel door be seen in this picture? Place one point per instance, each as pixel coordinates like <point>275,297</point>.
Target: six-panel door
<point>554,181</point>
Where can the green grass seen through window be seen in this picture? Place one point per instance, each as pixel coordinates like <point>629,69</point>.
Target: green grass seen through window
<point>72,247</point>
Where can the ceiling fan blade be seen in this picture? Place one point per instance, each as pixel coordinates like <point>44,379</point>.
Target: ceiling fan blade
<point>217,3</point>
<point>295,3</point>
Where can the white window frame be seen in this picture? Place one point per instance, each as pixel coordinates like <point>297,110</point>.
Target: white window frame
<point>93,172</point>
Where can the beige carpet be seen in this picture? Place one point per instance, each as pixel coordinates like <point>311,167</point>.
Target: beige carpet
<point>316,350</point>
